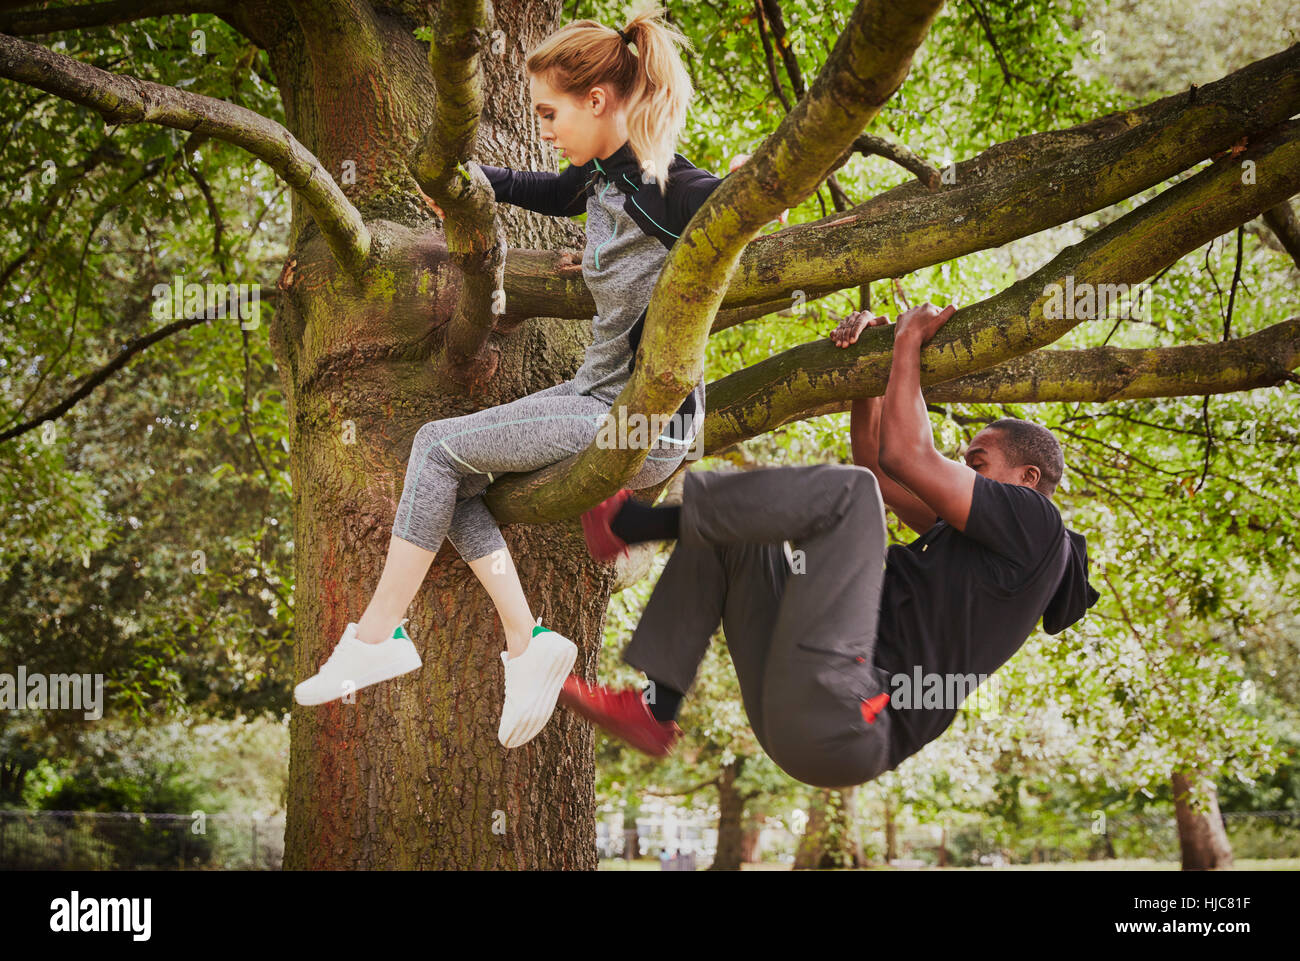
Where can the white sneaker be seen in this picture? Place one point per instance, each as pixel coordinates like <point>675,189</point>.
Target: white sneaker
<point>355,664</point>
<point>533,682</point>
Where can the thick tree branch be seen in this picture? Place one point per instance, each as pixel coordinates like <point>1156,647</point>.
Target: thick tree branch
<point>1098,374</point>
<point>1093,374</point>
<point>869,62</point>
<point>1127,251</point>
<point>123,100</point>
<point>28,22</point>
<point>476,240</point>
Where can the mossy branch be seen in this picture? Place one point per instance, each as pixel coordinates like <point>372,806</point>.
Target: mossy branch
<point>813,377</point>
<point>476,242</point>
<point>1087,375</point>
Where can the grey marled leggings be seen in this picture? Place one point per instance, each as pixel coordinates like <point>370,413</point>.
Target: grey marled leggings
<point>455,459</point>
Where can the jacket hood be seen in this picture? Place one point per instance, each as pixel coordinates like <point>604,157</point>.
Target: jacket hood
<point>1074,595</point>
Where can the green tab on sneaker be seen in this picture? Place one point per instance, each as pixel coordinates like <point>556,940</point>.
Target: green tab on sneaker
<point>539,629</point>
<point>400,633</point>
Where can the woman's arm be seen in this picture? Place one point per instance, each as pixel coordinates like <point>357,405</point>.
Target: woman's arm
<point>695,186</point>
<point>556,195</point>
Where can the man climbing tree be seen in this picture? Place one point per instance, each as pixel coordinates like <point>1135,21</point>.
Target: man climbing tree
<point>825,631</point>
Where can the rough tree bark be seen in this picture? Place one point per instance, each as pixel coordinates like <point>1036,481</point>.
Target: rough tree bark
<point>411,775</point>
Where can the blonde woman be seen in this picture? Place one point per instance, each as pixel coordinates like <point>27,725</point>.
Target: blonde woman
<point>613,103</point>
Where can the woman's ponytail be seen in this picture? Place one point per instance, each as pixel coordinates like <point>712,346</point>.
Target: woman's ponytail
<point>657,101</point>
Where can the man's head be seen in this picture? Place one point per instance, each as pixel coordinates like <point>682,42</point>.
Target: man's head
<point>1015,451</point>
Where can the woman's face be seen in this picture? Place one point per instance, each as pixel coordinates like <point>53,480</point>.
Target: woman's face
<point>579,129</point>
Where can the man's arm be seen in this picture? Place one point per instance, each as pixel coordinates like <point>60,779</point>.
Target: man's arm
<point>864,434</point>
<point>907,453</point>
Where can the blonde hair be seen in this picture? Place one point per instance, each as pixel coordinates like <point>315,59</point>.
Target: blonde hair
<point>652,81</point>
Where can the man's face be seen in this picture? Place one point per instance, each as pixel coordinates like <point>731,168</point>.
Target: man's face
<point>986,456</point>
<point>574,127</point>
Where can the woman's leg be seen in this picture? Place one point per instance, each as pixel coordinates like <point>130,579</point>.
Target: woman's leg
<point>526,434</point>
<point>488,558</point>
<point>477,538</point>
<point>404,571</point>
<point>496,572</point>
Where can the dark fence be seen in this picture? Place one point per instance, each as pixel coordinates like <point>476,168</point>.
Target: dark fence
<point>93,840</point>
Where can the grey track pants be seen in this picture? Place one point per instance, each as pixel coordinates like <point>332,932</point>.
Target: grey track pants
<point>453,460</point>
<point>802,643</point>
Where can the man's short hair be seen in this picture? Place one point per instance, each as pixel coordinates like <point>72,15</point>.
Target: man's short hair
<point>1027,443</point>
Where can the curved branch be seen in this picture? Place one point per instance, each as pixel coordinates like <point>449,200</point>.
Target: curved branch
<point>28,22</point>
<point>872,145</point>
<point>870,60</point>
<point>123,100</point>
<point>1092,375</point>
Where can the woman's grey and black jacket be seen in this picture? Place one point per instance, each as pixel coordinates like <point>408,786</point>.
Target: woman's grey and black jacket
<point>630,227</point>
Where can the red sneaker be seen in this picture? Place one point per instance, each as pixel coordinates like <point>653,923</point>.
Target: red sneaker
<point>602,542</point>
<point>622,714</point>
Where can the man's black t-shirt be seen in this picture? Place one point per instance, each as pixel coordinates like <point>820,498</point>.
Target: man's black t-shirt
<point>959,603</point>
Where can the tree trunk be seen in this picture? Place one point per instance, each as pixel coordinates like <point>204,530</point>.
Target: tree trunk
<point>731,814</point>
<point>831,840</point>
<point>411,775</point>
<point>1201,837</point>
